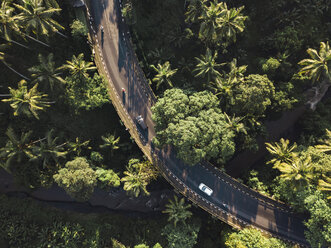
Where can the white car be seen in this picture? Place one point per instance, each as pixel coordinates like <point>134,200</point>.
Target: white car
<point>204,188</point>
<point>141,122</point>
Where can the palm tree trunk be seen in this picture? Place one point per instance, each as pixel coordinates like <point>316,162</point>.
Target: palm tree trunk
<point>320,91</point>
<point>36,40</point>
<point>17,43</point>
<point>4,95</point>
<point>16,72</point>
<point>63,35</point>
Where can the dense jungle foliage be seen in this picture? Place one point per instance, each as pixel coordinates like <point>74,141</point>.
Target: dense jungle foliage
<point>220,70</point>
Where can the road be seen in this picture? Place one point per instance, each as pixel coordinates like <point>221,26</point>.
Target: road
<point>232,202</point>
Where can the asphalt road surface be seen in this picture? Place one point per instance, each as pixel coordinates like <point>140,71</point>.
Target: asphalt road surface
<point>239,201</point>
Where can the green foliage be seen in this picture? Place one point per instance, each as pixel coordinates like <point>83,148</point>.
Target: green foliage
<point>108,178</point>
<point>194,125</point>
<point>319,64</point>
<point>141,246</point>
<point>182,235</point>
<point>164,73</point>
<point>17,150</point>
<point>86,94</point>
<point>253,95</point>
<point>78,29</point>
<point>270,65</point>
<point>137,176</point>
<point>252,238</point>
<point>36,17</point>
<point>177,210</point>
<point>27,101</point>
<point>46,73</point>
<point>78,67</point>
<point>319,223</point>
<point>255,183</point>
<point>77,178</point>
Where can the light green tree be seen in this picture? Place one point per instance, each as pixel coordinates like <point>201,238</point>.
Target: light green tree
<point>108,178</point>
<point>281,151</point>
<point>326,143</point>
<point>252,238</point>
<point>78,66</point>
<point>253,95</point>
<point>319,64</point>
<point>177,210</point>
<point>27,101</point>
<point>137,176</point>
<point>77,179</point>
<point>46,72</point>
<point>194,125</point>
<point>325,186</point>
<point>36,17</point>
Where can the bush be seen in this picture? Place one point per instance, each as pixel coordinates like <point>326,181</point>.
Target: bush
<point>78,29</point>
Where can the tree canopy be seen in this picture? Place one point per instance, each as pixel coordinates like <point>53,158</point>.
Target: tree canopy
<point>194,125</point>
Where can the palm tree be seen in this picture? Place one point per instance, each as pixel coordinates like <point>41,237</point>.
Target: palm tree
<point>164,73</point>
<point>325,185</point>
<point>16,149</point>
<point>110,141</point>
<point>326,146</point>
<point>207,66</point>
<point>236,73</point>
<point>8,21</point>
<point>37,17</point>
<point>230,22</point>
<point>177,210</point>
<point>298,171</point>
<point>49,151</point>
<point>283,153</point>
<point>194,10</point>
<point>77,146</point>
<point>134,182</point>
<point>25,101</point>
<point>319,64</point>
<point>138,176</point>
<point>46,71</point>
<point>78,66</point>
<point>208,31</point>
<point>234,124</point>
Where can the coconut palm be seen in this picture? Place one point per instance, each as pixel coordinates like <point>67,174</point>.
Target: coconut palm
<point>230,22</point>
<point>208,31</point>
<point>194,10</point>
<point>325,185</point>
<point>110,142</point>
<point>234,124</point>
<point>46,72</point>
<point>36,17</point>
<point>282,152</point>
<point>236,73</point>
<point>177,210</point>
<point>326,146</point>
<point>299,171</point>
<point>48,151</point>
<point>8,21</point>
<point>207,66</point>
<point>319,64</point>
<point>16,149</point>
<point>164,73</point>
<point>27,101</point>
<point>134,182</point>
<point>78,66</point>
<point>78,145</point>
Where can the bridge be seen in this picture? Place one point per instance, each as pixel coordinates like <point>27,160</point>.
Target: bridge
<point>231,201</point>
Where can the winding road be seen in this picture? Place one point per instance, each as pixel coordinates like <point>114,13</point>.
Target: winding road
<point>231,201</point>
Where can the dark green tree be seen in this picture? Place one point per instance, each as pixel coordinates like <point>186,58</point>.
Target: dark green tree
<point>177,210</point>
